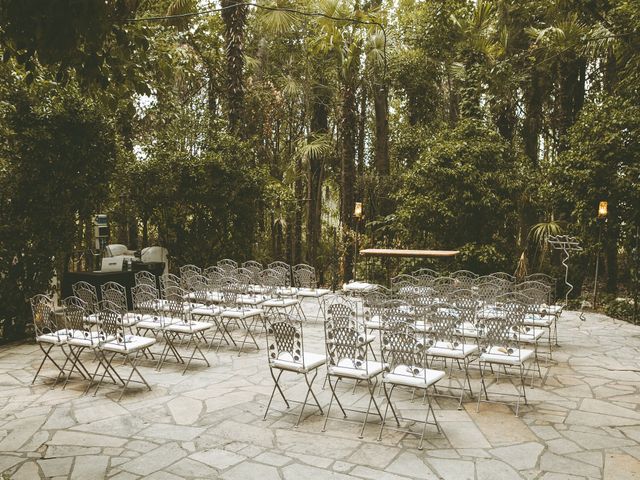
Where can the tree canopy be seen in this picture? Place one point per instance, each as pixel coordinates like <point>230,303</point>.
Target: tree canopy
<point>251,129</point>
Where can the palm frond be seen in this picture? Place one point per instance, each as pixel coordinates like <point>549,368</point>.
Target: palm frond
<point>278,21</point>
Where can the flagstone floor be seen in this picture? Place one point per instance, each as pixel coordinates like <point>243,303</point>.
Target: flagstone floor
<point>584,422</point>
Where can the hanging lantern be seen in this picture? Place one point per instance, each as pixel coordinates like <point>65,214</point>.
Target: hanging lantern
<point>603,210</point>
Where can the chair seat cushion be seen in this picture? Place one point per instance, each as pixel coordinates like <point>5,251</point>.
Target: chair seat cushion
<point>373,323</point>
<point>252,299</point>
<point>363,370</point>
<point>213,297</point>
<point>286,362</point>
<point>157,323</point>
<point>210,311</point>
<point>241,312</point>
<point>507,356</point>
<point>536,320</point>
<point>188,327</point>
<point>552,309</point>
<point>85,338</point>
<point>467,329</point>
<point>422,327</point>
<point>449,350</point>
<point>359,287</point>
<point>132,343</point>
<point>413,376</point>
<point>280,302</point>
<point>530,334</point>
<point>57,338</point>
<point>287,291</point>
<point>313,292</point>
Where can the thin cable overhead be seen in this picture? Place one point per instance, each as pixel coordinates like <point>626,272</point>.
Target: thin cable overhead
<point>278,9</point>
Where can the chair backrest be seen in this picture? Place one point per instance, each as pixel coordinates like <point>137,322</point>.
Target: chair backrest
<point>284,269</point>
<point>198,289</point>
<point>304,276</point>
<point>395,311</point>
<point>488,288</point>
<point>227,265</point>
<point>187,272</point>
<point>271,280</point>
<point>42,311</point>
<point>403,351</point>
<point>111,324</point>
<point>345,341</point>
<point>466,304</point>
<point>446,322</point>
<point>214,275</point>
<point>255,267</point>
<point>230,289</point>
<point>285,339</point>
<point>145,278</point>
<point>75,314</point>
<point>115,293</point>
<point>145,299</point>
<point>421,272</point>
<point>443,287</point>
<point>88,294</point>
<point>175,306</point>
<point>501,329</point>
<point>464,278</point>
<point>503,276</point>
<point>405,286</point>
<point>244,276</point>
<point>167,281</point>
<point>340,310</point>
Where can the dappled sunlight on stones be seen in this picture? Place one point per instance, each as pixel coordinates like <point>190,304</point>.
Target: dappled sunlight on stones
<point>208,423</point>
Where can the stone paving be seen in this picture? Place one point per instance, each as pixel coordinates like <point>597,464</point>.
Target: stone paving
<point>584,422</point>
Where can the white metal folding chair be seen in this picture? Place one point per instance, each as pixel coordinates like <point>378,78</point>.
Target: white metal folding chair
<point>48,334</point>
<point>128,346</point>
<point>500,345</point>
<point>81,335</point>
<point>347,349</point>
<point>184,326</point>
<point>286,353</point>
<point>403,352</point>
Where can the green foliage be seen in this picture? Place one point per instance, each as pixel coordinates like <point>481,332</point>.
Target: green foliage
<point>621,309</point>
<point>460,194</point>
<point>55,164</point>
<point>602,163</point>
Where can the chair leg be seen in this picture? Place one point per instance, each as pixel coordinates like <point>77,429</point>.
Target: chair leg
<point>333,395</point>
<point>78,362</point>
<point>134,368</point>
<point>372,388</point>
<point>309,384</point>
<point>46,355</point>
<point>426,421</point>
<point>306,397</point>
<point>195,347</point>
<point>276,386</point>
<point>107,365</point>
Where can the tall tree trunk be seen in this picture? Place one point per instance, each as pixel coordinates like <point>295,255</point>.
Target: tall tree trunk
<point>234,18</point>
<point>572,77</point>
<point>533,116</point>
<point>347,167</point>
<point>296,238</point>
<point>319,126</point>
<point>381,106</point>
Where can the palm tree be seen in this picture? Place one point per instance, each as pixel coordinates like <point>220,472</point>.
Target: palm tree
<point>234,16</point>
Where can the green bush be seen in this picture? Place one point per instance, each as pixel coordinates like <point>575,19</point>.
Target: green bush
<point>55,164</point>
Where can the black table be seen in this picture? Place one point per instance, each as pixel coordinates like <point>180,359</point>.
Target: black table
<point>126,278</point>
